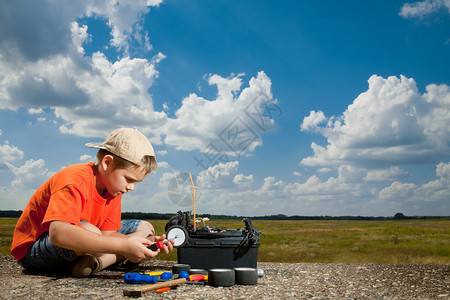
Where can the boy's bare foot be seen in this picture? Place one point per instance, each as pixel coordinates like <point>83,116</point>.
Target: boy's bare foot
<point>85,266</point>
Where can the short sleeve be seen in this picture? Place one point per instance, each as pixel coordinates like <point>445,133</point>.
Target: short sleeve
<point>65,205</point>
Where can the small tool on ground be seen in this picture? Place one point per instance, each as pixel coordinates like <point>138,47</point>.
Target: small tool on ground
<point>197,277</point>
<point>139,278</point>
<point>137,292</point>
<point>159,291</point>
<point>166,276</point>
<point>155,273</point>
<point>183,274</point>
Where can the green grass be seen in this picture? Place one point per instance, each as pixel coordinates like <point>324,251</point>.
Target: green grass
<point>6,234</point>
<point>342,241</point>
<point>337,241</point>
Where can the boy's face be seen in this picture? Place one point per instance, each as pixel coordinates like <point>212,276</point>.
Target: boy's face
<point>119,181</point>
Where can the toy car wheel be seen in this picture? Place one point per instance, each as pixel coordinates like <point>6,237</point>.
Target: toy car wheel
<point>198,272</point>
<point>178,268</point>
<point>179,234</point>
<point>221,277</point>
<point>246,276</point>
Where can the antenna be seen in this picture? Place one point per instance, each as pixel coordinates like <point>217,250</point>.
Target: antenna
<point>193,200</point>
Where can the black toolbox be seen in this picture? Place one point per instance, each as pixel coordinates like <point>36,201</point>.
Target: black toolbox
<point>208,248</point>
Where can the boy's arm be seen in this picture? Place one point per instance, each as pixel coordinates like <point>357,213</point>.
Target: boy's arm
<point>75,238</point>
<point>153,239</point>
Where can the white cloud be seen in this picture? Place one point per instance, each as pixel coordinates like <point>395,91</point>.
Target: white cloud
<point>44,66</point>
<point>44,83</point>
<point>422,8</point>
<point>123,19</point>
<point>342,195</point>
<point>230,124</point>
<point>79,36</point>
<point>163,165</point>
<point>315,187</point>
<point>388,126</point>
<point>310,122</point>
<point>437,190</point>
<point>91,95</point>
<point>242,180</point>
<point>419,197</point>
<point>161,153</point>
<point>86,158</point>
<point>434,114</point>
<point>398,191</point>
<point>393,173</point>
<point>118,96</point>
<point>166,177</point>
<point>443,171</point>
<point>31,175</point>
<point>270,184</point>
<point>390,123</point>
<point>35,111</point>
<point>219,176</point>
<point>10,153</point>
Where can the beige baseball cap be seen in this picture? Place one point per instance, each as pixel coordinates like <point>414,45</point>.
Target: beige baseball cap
<point>127,143</point>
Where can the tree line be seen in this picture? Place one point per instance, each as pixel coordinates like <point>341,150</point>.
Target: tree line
<point>167,216</point>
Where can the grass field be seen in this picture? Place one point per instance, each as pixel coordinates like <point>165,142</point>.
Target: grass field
<point>336,241</point>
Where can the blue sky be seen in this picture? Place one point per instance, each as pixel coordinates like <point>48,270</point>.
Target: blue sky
<point>296,108</point>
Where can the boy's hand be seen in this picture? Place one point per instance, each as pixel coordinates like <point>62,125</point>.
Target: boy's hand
<point>135,249</point>
<point>167,247</point>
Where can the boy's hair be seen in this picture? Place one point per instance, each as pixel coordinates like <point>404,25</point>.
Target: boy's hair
<point>148,163</point>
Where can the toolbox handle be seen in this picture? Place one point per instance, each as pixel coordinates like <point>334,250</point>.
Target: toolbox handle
<point>251,234</point>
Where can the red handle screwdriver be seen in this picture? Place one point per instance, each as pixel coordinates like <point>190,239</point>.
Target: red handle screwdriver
<point>158,245</point>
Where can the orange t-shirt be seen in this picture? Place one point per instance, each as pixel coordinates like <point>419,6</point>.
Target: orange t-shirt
<point>70,196</point>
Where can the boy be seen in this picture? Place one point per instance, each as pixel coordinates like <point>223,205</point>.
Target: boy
<point>73,220</point>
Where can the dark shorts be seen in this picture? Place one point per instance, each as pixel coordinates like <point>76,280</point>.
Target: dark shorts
<point>43,255</point>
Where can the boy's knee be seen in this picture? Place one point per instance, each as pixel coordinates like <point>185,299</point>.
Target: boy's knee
<point>147,228</point>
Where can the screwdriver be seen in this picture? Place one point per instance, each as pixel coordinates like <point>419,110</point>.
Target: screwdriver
<point>139,278</point>
<point>197,277</point>
<point>158,245</point>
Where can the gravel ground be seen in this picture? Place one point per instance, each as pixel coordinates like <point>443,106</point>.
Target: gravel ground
<point>280,281</point>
